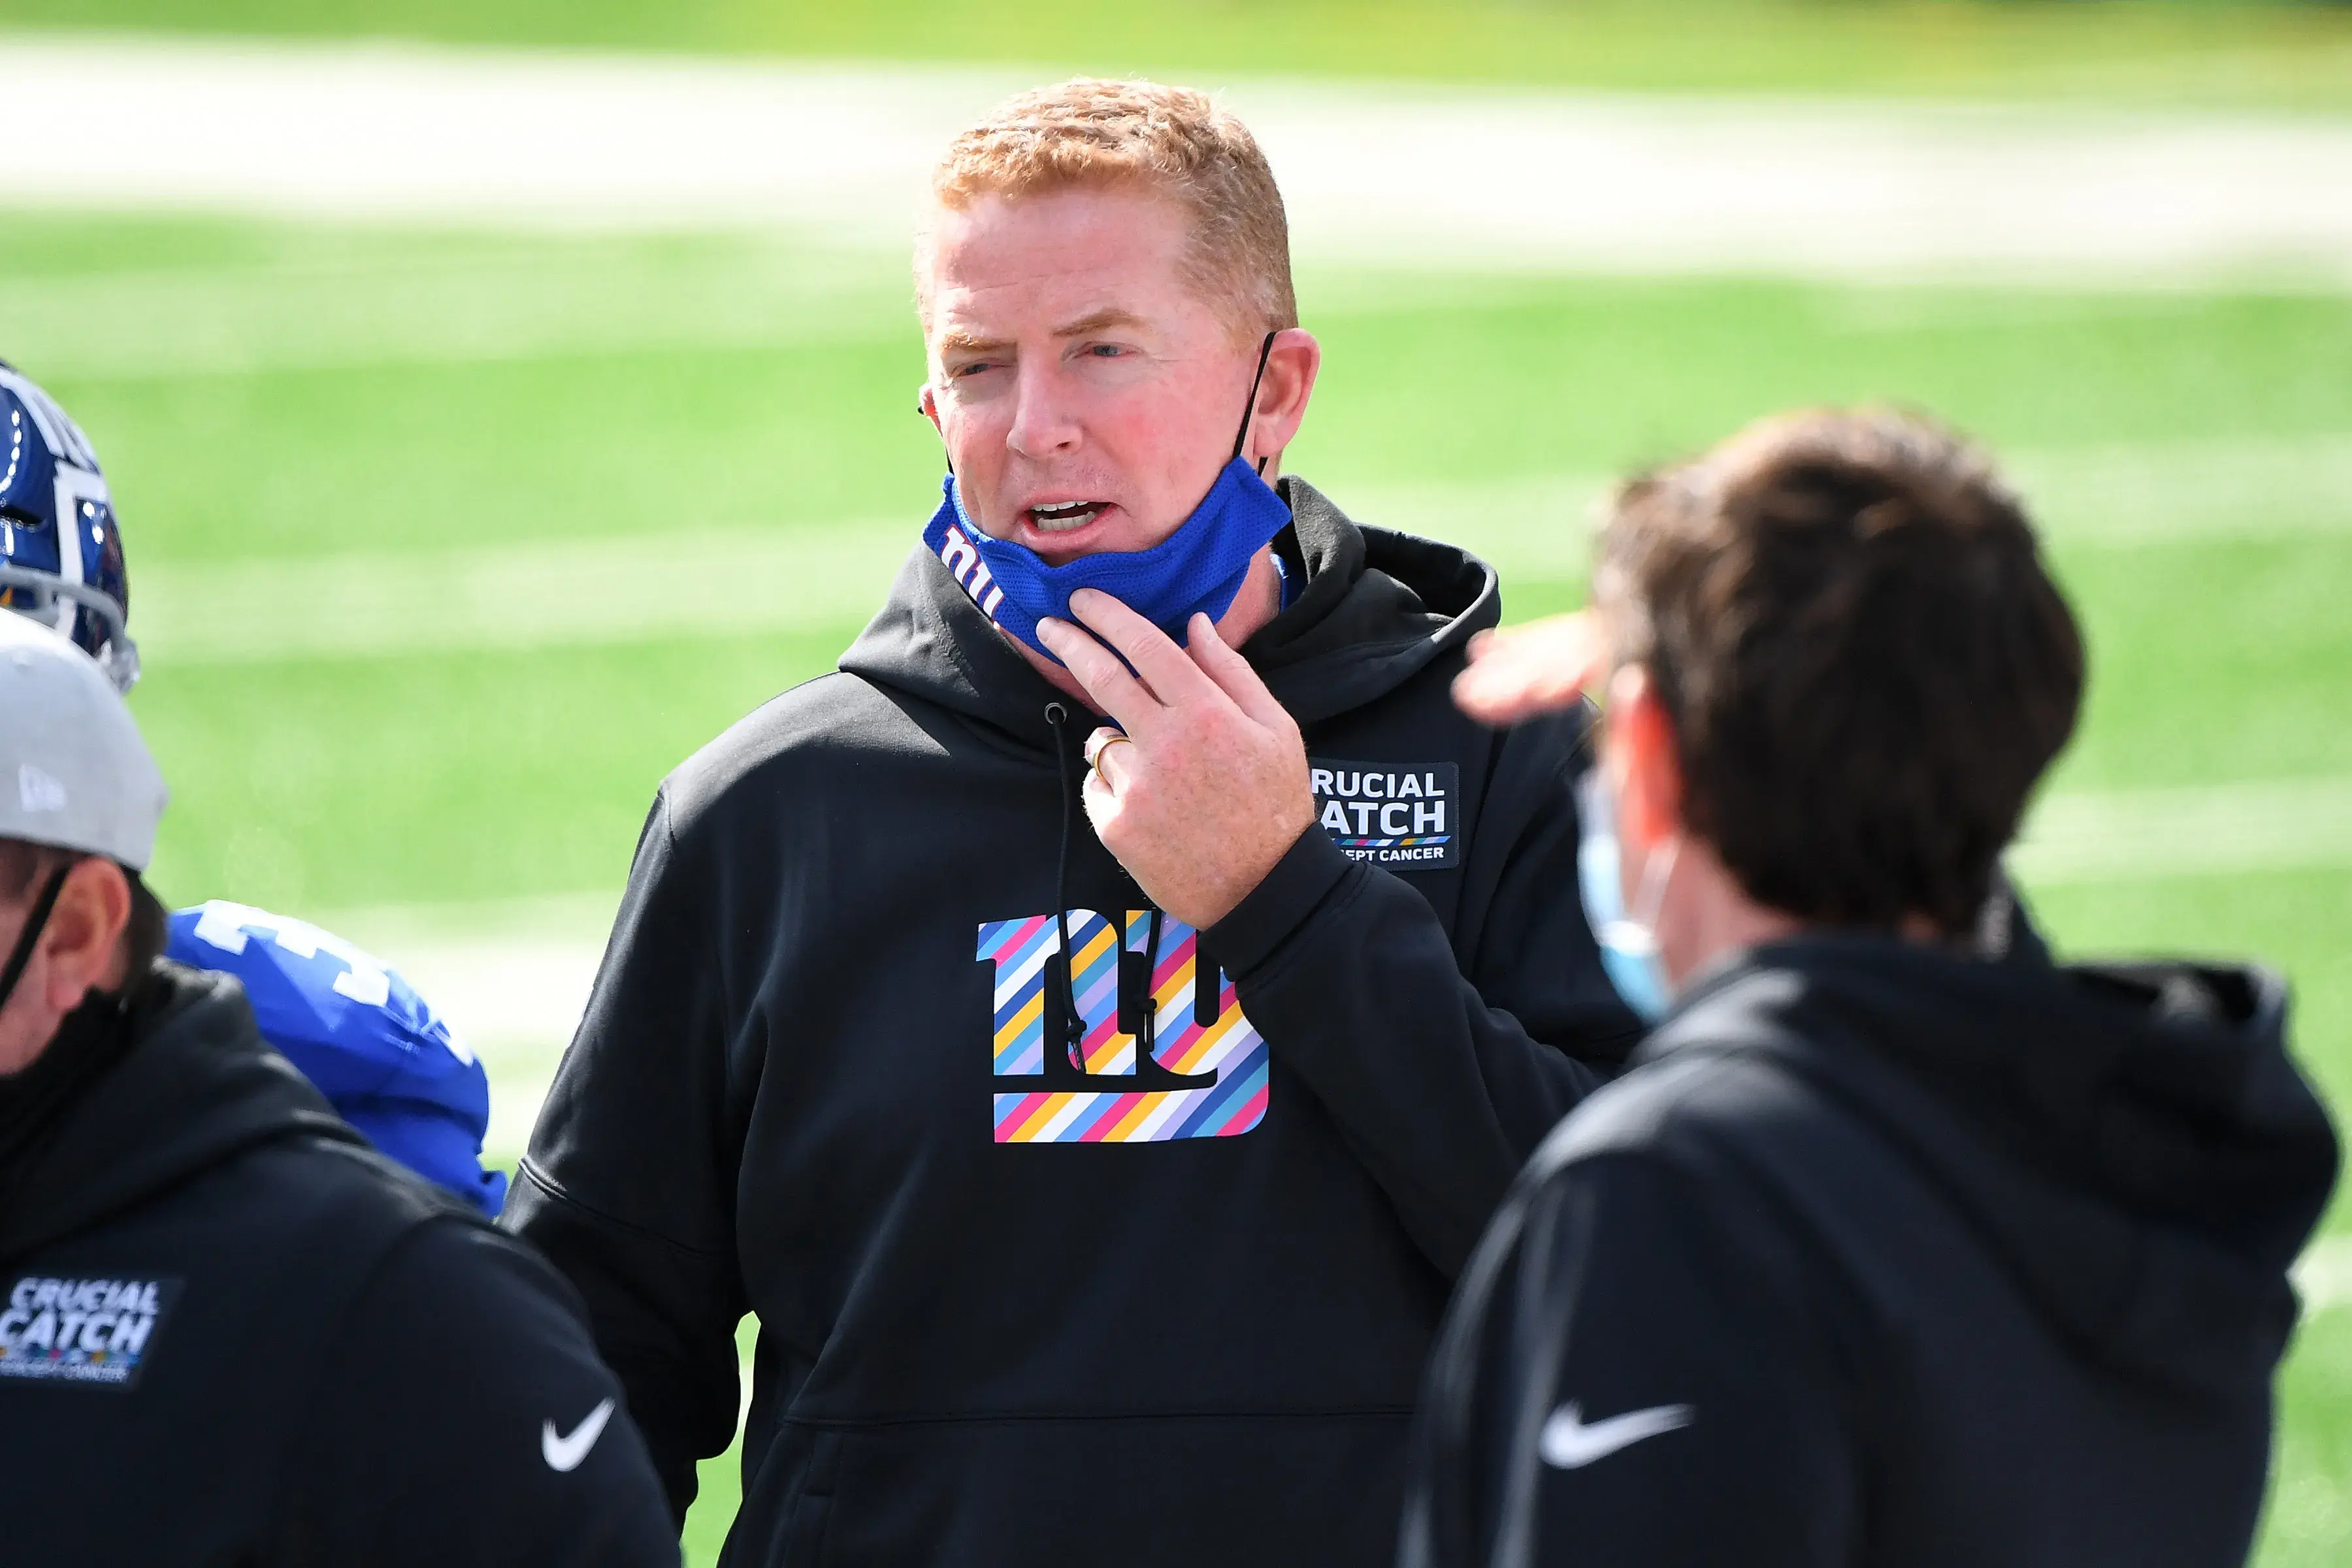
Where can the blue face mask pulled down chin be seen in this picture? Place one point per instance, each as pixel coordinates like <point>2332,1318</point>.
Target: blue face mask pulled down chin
<point>1629,947</point>
<point>1197,570</point>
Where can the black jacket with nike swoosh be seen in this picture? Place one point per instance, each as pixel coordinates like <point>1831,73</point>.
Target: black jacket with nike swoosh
<point>1882,1255</point>
<point>232,1333</point>
<point>1167,1305</point>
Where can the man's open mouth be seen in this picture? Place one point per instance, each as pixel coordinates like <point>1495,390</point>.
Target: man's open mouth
<point>1062,517</point>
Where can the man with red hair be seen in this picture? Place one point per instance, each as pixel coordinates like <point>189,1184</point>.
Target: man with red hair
<point>1095,1124</point>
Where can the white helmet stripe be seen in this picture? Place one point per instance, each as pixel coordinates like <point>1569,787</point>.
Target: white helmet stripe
<point>65,439</point>
<point>38,404</point>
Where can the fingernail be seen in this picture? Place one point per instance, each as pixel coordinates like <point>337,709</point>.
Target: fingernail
<point>1050,629</point>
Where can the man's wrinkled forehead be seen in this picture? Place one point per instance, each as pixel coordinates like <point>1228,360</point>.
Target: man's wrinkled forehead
<point>1066,262</point>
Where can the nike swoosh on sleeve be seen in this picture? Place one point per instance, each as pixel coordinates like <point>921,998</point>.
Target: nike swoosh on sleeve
<point>1569,1443</point>
<point>565,1451</point>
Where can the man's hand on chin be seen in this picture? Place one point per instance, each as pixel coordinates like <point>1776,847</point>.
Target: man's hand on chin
<point>1203,786</point>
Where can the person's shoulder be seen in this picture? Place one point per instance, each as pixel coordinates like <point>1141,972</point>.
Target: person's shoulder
<point>330,1207</point>
<point>398,1238</point>
<point>794,741</point>
<point>1698,1108</point>
<point>453,1264</point>
<point>346,1188</point>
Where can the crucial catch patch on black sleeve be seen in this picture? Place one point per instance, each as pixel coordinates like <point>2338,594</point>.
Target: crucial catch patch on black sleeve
<point>92,1330</point>
<point>1400,816</point>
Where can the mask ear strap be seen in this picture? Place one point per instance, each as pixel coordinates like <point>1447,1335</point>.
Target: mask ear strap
<point>1241,436</point>
<point>36,922</point>
<point>1652,899</point>
<point>926,414</point>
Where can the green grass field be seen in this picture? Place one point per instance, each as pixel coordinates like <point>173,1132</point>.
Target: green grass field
<point>341,440</point>
<point>2222,52</point>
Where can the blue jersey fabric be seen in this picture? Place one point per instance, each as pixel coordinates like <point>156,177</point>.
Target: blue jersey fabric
<point>382,1057</point>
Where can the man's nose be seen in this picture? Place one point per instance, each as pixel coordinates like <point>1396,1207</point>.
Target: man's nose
<point>1044,414</point>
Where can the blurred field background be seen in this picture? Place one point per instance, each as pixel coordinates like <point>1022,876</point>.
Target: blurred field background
<point>449,539</point>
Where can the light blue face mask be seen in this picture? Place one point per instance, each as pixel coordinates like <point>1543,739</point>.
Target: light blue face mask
<point>1629,944</point>
<point>1197,570</point>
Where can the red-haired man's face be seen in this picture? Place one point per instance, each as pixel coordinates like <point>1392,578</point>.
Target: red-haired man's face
<point>1087,393</point>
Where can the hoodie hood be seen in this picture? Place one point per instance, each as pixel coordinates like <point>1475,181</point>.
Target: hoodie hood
<point>1375,607</point>
<point>2133,1141</point>
<point>195,1085</point>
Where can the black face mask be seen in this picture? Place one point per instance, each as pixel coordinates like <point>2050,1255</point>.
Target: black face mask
<point>87,1043</point>
<point>91,1039</point>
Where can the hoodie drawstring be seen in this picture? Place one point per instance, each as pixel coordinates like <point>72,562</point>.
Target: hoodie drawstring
<point>1061,1023</point>
<point>1138,1010</point>
<point>1138,1006</point>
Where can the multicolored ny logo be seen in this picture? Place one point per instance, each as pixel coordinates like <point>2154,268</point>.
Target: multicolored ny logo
<point>1164,1057</point>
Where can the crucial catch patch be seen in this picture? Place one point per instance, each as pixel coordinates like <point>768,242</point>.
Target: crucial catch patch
<point>80,1331</point>
<point>1402,816</point>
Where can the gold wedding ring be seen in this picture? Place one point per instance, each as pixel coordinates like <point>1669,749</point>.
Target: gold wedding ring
<point>1094,764</point>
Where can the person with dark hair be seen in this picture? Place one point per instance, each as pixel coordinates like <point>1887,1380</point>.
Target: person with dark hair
<point>230,1331</point>
<point>1883,1251</point>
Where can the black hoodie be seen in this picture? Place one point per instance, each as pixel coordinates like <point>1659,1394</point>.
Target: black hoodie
<point>232,1333</point>
<point>1010,1313</point>
<point>1885,1254</point>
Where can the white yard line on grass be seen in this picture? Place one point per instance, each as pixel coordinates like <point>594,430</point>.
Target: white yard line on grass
<point>332,298</point>
<point>2130,836</point>
<point>1394,176</point>
<point>2324,1274</point>
<point>1538,528</point>
<point>452,302</point>
<point>813,578</point>
<point>684,583</point>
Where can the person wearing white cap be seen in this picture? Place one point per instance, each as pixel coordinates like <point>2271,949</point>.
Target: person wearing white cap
<point>385,1060</point>
<point>78,814</point>
<point>229,1329</point>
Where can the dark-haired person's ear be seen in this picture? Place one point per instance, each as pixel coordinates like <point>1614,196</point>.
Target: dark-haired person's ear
<point>1639,751</point>
<point>81,949</point>
<point>77,950</point>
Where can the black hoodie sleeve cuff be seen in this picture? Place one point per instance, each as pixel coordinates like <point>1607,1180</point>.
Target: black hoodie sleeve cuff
<point>1307,875</point>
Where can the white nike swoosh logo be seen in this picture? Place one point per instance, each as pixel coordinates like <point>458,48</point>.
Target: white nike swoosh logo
<point>562,1453</point>
<point>1569,1443</point>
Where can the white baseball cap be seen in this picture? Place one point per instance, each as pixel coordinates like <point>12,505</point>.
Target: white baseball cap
<point>74,771</point>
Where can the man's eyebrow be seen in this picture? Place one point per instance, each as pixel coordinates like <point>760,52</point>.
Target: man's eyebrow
<point>1101,321</point>
<point>966,344</point>
<point>954,342</point>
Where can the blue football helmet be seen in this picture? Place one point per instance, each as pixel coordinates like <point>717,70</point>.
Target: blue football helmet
<point>383,1059</point>
<point>60,553</point>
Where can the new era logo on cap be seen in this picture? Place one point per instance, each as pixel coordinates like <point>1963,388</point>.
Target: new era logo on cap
<point>37,790</point>
<point>85,780</point>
